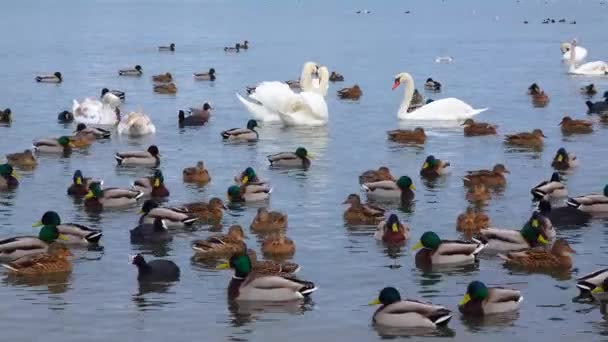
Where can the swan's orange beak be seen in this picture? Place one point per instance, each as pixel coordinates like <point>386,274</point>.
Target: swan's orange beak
<point>396,84</point>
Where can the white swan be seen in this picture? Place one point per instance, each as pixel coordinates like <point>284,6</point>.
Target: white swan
<point>581,52</point>
<point>445,109</point>
<point>597,68</point>
<point>136,125</point>
<point>94,112</point>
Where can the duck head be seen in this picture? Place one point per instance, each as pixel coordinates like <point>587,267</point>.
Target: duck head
<point>429,240</point>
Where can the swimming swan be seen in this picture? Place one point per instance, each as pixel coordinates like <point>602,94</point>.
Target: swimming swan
<point>581,52</point>
<point>94,112</point>
<point>136,125</point>
<point>443,109</point>
<point>597,68</point>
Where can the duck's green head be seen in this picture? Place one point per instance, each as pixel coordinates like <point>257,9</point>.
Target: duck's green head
<point>249,174</point>
<point>158,179</point>
<point>50,219</point>
<point>78,177</point>
<point>251,124</point>
<point>405,183</point>
<point>234,193</point>
<point>94,191</point>
<point>6,170</point>
<point>429,162</point>
<point>475,291</point>
<point>302,153</point>
<point>532,231</point>
<point>64,141</point>
<point>428,240</point>
<point>241,263</point>
<point>388,295</point>
<point>606,190</point>
<point>48,234</point>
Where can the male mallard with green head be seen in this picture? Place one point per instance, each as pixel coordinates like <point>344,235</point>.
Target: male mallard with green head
<point>406,313</point>
<point>479,300</point>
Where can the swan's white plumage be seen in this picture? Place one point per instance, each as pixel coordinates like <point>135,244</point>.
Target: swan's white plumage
<point>597,68</point>
<point>94,112</point>
<point>581,52</point>
<point>136,124</point>
<point>309,109</point>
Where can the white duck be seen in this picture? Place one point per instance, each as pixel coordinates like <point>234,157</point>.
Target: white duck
<point>136,125</point>
<point>444,109</point>
<point>597,68</point>
<point>566,47</point>
<point>94,112</point>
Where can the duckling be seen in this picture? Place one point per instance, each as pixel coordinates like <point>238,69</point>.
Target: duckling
<point>108,98</point>
<point>416,136</point>
<point>23,160</point>
<point>205,76</point>
<point>197,117</point>
<point>278,246</point>
<point>98,199</point>
<point>165,88</point>
<point>55,260</point>
<point>402,189</point>
<point>537,231</point>
<point>335,77</point>
<point>5,116</point>
<point>8,177</point>
<point>146,231</point>
<point>171,48</point>
<point>247,285</point>
<point>571,126</point>
<point>564,160</point>
<point>408,313</point>
<point>236,48</point>
<point>472,221</point>
<point>156,270</point>
<point>473,129</point>
<point>557,259</point>
<point>526,139</point>
<point>437,252</point>
<point>268,221</point>
<point>65,117</point>
<point>479,300</point>
<point>248,176</point>
<point>208,213</point>
<point>592,281</point>
<point>163,78</point>
<point>270,267</point>
<point>371,176</point>
<point>298,159</point>
<point>150,157</point>
<point>248,193</point>
<point>599,107</point>
<point>135,71</point>
<point>20,246</point>
<point>490,178</point>
<point>550,190</point>
<point>80,185</point>
<point>197,174</point>
<point>478,193</point>
<point>431,84</point>
<point>221,245</point>
<point>56,77</point>
<point>71,233</point>
<point>589,90</point>
<point>359,213</point>
<point>248,134</point>
<point>59,145</point>
<point>153,185</point>
<point>172,217</point>
<point>433,168</point>
<point>392,231</point>
<point>591,203</point>
<point>352,93</point>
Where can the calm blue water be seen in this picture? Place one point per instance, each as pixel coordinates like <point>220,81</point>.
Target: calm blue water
<point>496,58</point>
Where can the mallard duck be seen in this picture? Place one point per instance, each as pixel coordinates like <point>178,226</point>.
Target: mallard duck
<point>402,189</point>
<point>153,185</point>
<point>221,245</point>
<point>437,252</point>
<point>595,281</point>
<point>571,126</point>
<point>359,213</point>
<point>278,245</point>
<point>135,71</point>
<point>91,133</point>
<point>196,174</point>
<point>335,77</point>
<point>589,90</point>
<point>268,221</point>
<point>108,98</point>
<point>80,185</point>
<point>472,221</point>
<point>59,145</point>
<point>537,231</point>
<point>71,233</point>
<point>416,136</point>
<point>244,45</point>
<point>151,157</point>
<point>431,84</point>
<point>163,78</point>
<point>80,141</point>
<point>371,176</point>
<point>158,270</point>
<point>352,93</point>
<point>591,203</point>
<point>98,199</point>
<point>479,300</point>
<point>56,77</point>
<point>171,47</point>
<point>205,76</point>
<point>248,134</point>
<point>433,167</point>
<point>473,129</point>
<point>172,217</point>
<point>557,259</point>
<point>5,116</point>
<point>169,88</point>
<point>248,193</point>
<point>408,313</point>
<point>298,159</point>
<point>23,160</point>
<point>526,139</point>
<point>564,160</point>
<point>197,117</point>
<point>54,260</point>
<point>392,231</point>
<point>236,48</point>
<point>478,193</point>
<point>153,230</point>
<point>20,246</point>
<point>539,98</point>
<point>248,176</point>
<point>8,177</point>
<point>65,117</point>
<point>211,212</point>
<point>489,178</point>
<point>599,107</point>
<point>247,285</point>
<point>563,216</point>
<point>551,189</point>
<point>270,267</point>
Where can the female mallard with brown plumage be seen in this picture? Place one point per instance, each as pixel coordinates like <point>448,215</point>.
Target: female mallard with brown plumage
<point>169,88</point>
<point>268,221</point>
<point>570,126</point>
<point>479,300</point>
<point>539,98</point>
<point>278,245</point>
<point>437,252</point>
<point>270,267</point>
<point>55,260</point>
<point>392,231</point>
<point>406,313</point>
<point>532,139</point>
<point>564,160</point>
<point>474,129</point>
<point>220,245</point>
<point>415,136</point>
<point>24,160</point>
<point>540,259</point>
<point>472,221</point>
<point>359,213</point>
<point>352,93</point>
<point>163,78</point>
<point>489,178</point>
<point>433,168</point>
<point>207,213</point>
<point>382,174</point>
<point>196,174</point>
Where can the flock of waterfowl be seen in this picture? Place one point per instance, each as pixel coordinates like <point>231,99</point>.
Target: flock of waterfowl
<point>302,103</point>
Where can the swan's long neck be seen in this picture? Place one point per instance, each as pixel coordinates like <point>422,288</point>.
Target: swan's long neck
<point>306,80</point>
<point>572,56</point>
<point>408,84</point>
<point>323,81</point>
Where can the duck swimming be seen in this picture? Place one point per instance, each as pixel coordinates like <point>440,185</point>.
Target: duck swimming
<point>335,77</point>
<point>489,178</point>
<point>135,71</point>
<point>571,126</point>
<point>5,116</point>
<point>71,233</point>
<point>532,139</point>
<point>98,199</point>
<point>551,189</point>
<point>163,78</point>
<point>60,145</point>
<point>114,97</point>
<point>248,176</point>
<point>248,193</point>
<point>196,174</point>
<point>298,159</point>
<point>278,245</point>
<point>473,129</point>
<point>217,246</point>
<point>205,76</point>
<point>236,48</point>
<point>91,133</point>
<point>431,84</point>
<point>392,231</point>
<point>268,221</point>
<point>169,88</point>
<point>171,217</point>
<point>433,168</point>
<point>153,186</point>
<point>248,134</point>
<point>352,93</point>
<point>359,213</point>
<point>437,252</point>
<point>591,203</point>
<point>54,78</point>
<point>21,246</point>
<point>170,47</point>
<point>8,177</point>
<point>197,117</point>
<point>564,161</point>
<point>557,259</point>
<point>150,157</point>
<point>539,98</point>
<point>479,300</point>
<point>407,313</point>
<point>416,136</point>
<point>537,231</point>
<point>54,260</point>
<point>472,221</point>
<point>24,160</point>
<point>589,90</point>
<point>370,176</point>
<point>402,189</point>
<point>80,185</point>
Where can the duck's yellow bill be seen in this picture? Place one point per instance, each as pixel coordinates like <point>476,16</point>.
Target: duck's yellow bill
<point>223,266</point>
<point>78,180</point>
<point>541,239</point>
<point>15,175</point>
<point>310,156</point>
<point>535,223</point>
<point>38,224</point>
<point>465,299</point>
<point>425,165</point>
<point>156,183</point>
<point>560,158</point>
<point>375,302</point>
<point>245,180</point>
<point>417,246</point>
<point>412,187</point>
<point>395,227</point>
<point>141,212</point>
<point>63,237</point>
<point>598,289</point>
<point>89,195</point>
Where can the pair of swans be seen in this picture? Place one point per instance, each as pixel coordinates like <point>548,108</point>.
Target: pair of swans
<point>597,68</point>
<point>94,112</point>
<point>276,102</point>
